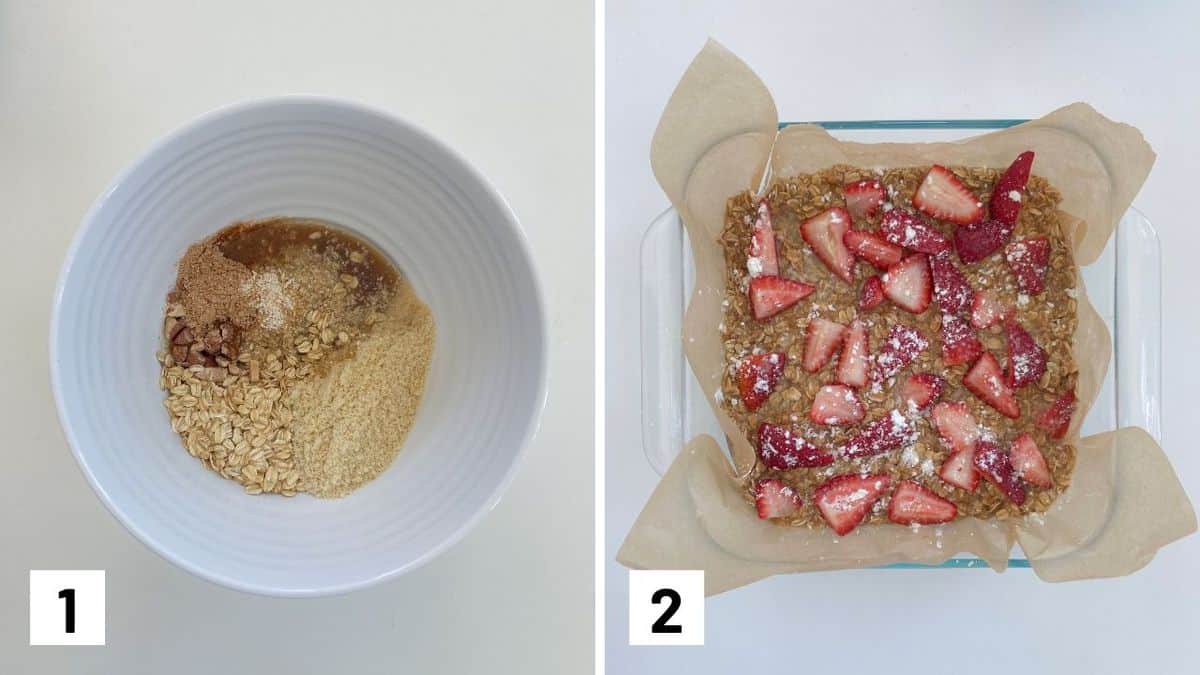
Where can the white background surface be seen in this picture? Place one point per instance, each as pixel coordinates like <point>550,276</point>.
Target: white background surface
<point>1135,62</point>
<point>85,88</point>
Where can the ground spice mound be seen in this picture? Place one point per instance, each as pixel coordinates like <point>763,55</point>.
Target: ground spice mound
<point>209,288</point>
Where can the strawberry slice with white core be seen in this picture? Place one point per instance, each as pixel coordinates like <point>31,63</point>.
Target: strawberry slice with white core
<point>873,248</point>
<point>836,404</point>
<point>1006,194</point>
<point>1056,419</point>
<point>771,295</point>
<point>1028,260</point>
<point>757,376</point>
<point>950,288</point>
<point>942,195</point>
<point>883,435</point>
<point>844,501</point>
<point>863,198</point>
<point>913,503</point>
<point>908,284</point>
<point>979,240</point>
<point>959,470</point>
<point>912,232</point>
<point>986,381</point>
<point>920,390</point>
<point>763,259</point>
<point>959,342</point>
<point>871,294</point>
<point>825,233</point>
<point>1029,463</point>
<point>1026,358</point>
<point>821,340</point>
<point>899,348</point>
<point>774,499</point>
<point>782,449</point>
<point>995,466</point>
<point>987,310</point>
<point>955,426</point>
<point>852,364</point>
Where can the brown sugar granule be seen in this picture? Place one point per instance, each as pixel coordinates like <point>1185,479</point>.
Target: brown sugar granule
<point>209,287</point>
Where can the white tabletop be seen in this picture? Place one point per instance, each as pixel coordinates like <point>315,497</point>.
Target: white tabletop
<point>85,88</point>
<point>865,60</point>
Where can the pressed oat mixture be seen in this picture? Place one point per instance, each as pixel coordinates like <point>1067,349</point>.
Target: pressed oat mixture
<point>790,494</point>
<point>295,357</point>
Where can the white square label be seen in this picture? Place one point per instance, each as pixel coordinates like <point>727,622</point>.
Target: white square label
<point>66,607</point>
<point>666,607</point>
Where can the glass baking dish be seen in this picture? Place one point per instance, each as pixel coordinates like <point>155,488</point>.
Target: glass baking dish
<point>1123,285</point>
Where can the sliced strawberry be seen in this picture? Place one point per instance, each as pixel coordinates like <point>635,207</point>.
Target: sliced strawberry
<point>1006,194</point>
<point>821,340</point>
<point>955,425</point>
<point>781,449</point>
<point>1056,419</point>
<point>950,288</point>
<point>959,470</point>
<point>1028,259</point>
<point>995,466</point>
<point>873,248</point>
<point>763,260</point>
<point>980,239</point>
<point>775,500</point>
<point>912,232</point>
<point>943,196</point>
<point>987,382</point>
<point>987,310</point>
<point>845,500</point>
<point>883,435</point>
<point>771,295</point>
<point>908,284</point>
<point>920,390</point>
<point>836,404</point>
<point>863,198</point>
<point>899,348</point>
<point>852,364</point>
<point>757,376</point>
<point>1026,358</point>
<point>1028,462</point>
<point>825,233</point>
<point>872,294</point>
<point>913,503</point>
<point>959,342</point>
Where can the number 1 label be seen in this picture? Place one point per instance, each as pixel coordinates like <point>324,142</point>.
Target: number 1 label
<point>66,607</point>
<point>666,607</point>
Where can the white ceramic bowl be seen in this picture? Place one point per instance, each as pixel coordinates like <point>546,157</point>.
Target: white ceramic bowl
<point>417,201</point>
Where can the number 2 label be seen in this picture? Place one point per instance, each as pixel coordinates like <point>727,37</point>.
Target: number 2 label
<point>666,607</point>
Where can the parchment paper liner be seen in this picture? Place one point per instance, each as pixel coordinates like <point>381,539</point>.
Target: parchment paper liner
<point>717,137</point>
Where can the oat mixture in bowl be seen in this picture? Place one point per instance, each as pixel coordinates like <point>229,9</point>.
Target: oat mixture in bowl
<point>894,336</point>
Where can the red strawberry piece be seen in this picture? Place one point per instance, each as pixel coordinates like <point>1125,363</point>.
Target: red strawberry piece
<point>908,284</point>
<point>852,364</point>
<point>1028,462</point>
<point>882,435</point>
<point>987,310</point>
<point>1006,194</point>
<point>1056,419</point>
<point>912,232</point>
<point>845,500</point>
<point>1028,259</point>
<point>775,500</point>
<point>771,295</point>
<point>872,294</point>
<point>950,288</point>
<point>913,503</point>
<point>825,233</point>
<point>955,425</point>
<point>995,466</point>
<point>899,348</point>
<point>863,198</point>
<point>959,470</point>
<point>873,248</point>
<point>821,340</point>
<point>763,260</point>
<point>1026,358</point>
<point>920,390</point>
<point>987,382</point>
<point>836,404</point>
<point>783,450</point>
<point>959,342</point>
<point>942,195</point>
<point>980,239</point>
<point>757,377</point>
